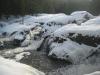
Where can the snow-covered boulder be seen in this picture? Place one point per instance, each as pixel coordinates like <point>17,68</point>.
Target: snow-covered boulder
<point>10,67</point>
<point>81,16</point>
<point>95,21</point>
<point>74,43</point>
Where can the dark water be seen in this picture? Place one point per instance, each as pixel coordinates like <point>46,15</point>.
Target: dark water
<point>40,60</point>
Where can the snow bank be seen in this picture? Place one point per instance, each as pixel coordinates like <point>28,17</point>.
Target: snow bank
<point>9,67</point>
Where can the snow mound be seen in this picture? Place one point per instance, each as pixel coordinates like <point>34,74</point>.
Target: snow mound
<point>81,16</point>
<point>10,67</point>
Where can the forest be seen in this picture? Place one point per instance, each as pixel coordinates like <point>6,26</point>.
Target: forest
<point>22,7</point>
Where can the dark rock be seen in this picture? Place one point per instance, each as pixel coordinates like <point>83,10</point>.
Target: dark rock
<point>59,40</point>
<point>17,42</point>
<point>4,33</point>
<point>13,33</point>
<point>88,40</point>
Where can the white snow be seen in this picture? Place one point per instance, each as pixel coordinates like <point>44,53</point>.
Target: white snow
<point>10,67</point>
